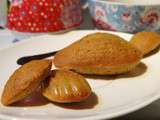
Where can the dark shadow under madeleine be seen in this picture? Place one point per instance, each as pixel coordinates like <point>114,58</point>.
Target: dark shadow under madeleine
<point>139,70</point>
<point>89,103</point>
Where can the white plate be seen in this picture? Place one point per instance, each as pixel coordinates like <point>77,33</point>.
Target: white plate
<point>115,96</point>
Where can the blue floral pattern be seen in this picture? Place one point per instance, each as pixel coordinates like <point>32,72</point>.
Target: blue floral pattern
<point>125,18</point>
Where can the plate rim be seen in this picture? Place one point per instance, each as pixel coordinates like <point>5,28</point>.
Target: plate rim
<point>26,40</point>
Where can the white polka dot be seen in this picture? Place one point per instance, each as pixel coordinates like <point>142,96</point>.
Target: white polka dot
<point>37,29</point>
<point>51,9</point>
<point>19,24</point>
<point>45,16</point>
<point>32,28</point>
<point>21,18</point>
<point>34,24</point>
<point>40,3</point>
<point>30,12</point>
<point>29,24</point>
<point>54,4</point>
<point>14,19</point>
<point>11,19</point>
<point>46,4</point>
<point>42,13</point>
<point>61,6</point>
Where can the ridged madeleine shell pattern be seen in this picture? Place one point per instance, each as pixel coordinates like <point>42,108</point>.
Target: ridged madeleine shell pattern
<point>25,80</point>
<point>66,87</point>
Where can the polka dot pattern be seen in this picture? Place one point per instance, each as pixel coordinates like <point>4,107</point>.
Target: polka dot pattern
<point>44,15</point>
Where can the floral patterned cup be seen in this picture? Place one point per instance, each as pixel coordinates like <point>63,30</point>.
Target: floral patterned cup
<point>126,15</point>
<point>35,16</point>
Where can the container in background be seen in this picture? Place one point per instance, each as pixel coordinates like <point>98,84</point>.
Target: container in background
<point>41,16</point>
<point>3,13</point>
<point>126,15</point>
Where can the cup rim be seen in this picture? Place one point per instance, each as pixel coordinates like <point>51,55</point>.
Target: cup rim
<point>125,3</point>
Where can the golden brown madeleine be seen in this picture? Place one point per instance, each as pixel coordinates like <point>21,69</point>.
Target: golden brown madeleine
<point>146,41</point>
<point>25,80</point>
<point>99,53</point>
<point>66,87</point>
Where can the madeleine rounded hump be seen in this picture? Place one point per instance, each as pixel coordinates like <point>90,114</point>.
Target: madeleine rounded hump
<point>25,80</point>
<point>146,41</point>
<point>98,50</point>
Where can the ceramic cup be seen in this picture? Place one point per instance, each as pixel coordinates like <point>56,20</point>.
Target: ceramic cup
<point>126,15</point>
<point>41,16</point>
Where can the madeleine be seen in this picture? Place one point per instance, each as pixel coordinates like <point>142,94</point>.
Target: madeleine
<point>146,41</point>
<point>100,54</point>
<point>66,87</point>
<point>25,80</point>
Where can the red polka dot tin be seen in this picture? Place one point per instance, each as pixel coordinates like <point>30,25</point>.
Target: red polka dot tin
<point>44,15</point>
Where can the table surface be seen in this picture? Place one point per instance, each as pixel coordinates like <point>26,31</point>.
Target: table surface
<point>151,112</point>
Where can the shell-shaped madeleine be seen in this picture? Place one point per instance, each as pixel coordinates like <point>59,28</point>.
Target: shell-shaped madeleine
<point>66,87</point>
<point>25,80</point>
<point>99,53</point>
<point>146,41</point>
